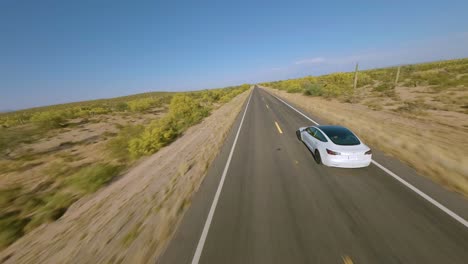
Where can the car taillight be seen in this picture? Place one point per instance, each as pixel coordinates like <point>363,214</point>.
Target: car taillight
<point>368,152</point>
<point>331,152</point>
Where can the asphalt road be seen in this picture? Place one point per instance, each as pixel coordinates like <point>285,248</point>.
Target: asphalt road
<point>278,206</point>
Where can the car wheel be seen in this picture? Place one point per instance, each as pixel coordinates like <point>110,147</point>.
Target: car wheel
<point>298,134</point>
<point>317,157</point>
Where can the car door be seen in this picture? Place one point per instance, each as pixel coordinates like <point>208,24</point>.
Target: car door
<point>309,138</point>
<point>306,137</point>
<point>313,138</point>
<point>319,140</point>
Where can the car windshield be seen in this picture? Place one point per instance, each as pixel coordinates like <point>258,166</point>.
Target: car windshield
<point>340,135</point>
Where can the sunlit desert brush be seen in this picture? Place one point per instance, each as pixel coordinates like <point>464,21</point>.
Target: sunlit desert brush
<point>422,119</point>
<point>52,156</point>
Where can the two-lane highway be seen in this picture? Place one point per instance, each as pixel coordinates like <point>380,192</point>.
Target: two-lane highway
<point>271,203</point>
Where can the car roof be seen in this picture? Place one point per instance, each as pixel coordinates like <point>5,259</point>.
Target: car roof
<point>332,129</point>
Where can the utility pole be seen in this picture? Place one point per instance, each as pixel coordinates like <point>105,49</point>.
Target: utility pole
<point>355,77</point>
<point>397,76</point>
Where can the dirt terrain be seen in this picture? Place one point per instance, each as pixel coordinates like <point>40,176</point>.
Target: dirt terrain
<point>83,142</point>
<point>131,220</point>
<point>431,140</point>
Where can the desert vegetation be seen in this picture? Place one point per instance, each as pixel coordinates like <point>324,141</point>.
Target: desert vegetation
<point>422,119</point>
<point>52,156</point>
<point>439,85</point>
<point>132,218</point>
<point>423,87</point>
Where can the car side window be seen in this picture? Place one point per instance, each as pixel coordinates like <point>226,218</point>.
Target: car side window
<point>311,131</point>
<point>319,135</point>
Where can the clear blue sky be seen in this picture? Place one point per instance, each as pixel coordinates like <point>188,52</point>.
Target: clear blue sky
<point>62,51</point>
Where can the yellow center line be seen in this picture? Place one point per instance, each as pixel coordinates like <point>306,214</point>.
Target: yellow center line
<point>267,106</point>
<point>347,260</point>
<point>278,127</point>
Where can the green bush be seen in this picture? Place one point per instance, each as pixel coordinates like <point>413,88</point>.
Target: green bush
<point>314,89</point>
<point>10,120</point>
<point>184,111</point>
<point>120,144</point>
<point>91,178</point>
<point>140,105</point>
<point>334,90</point>
<point>11,228</point>
<point>364,79</point>
<point>22,210</point>
<point>294,88</point>
<point>55,205</point>
<point>10,138</point>
<point>160,133</point>
<point>232,92</point>
<point>49,119</point>
<point>121,107</point>
<point>99,111</point>
<point>212,96</point>
<point>383,87</point>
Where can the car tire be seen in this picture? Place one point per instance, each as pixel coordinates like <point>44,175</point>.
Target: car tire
<point>317,157</point>
<point>298,134</point>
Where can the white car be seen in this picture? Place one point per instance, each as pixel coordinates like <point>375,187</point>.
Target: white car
<point>335,146</point>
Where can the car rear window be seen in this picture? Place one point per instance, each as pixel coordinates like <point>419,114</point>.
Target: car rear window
<point>340,135</point>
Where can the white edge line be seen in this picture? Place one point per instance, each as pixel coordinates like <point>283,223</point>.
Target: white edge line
<point>206,228</point>
<point>296,110</point>
<point>423,195</point>
<point>407,184</point>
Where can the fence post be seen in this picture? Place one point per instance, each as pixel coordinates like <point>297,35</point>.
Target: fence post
<point>397,76</point>
<point>355,77</point>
